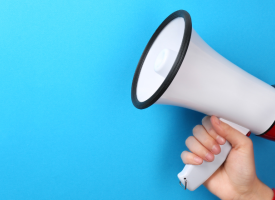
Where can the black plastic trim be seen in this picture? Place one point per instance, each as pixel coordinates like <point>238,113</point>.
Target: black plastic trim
<point>175,68</point>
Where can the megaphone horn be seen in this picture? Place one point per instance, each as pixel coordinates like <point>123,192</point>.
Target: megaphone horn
<point>178,68</point>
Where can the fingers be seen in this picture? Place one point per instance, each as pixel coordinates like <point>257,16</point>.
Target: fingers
<point>233,136</point>
<point>197,148</point>
<point>211,131</point>
<point>190,158</point>
<point>206,140</point>
<point>201,145</point>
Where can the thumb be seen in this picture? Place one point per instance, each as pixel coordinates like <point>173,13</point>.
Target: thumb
<point>234,137</point>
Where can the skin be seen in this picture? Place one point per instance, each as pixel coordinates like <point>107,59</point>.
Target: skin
<point>236,179</point>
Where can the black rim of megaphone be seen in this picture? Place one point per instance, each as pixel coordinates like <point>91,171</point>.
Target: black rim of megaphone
<point>175,68</point>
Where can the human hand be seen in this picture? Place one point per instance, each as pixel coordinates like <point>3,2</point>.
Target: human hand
<point>236,178</point>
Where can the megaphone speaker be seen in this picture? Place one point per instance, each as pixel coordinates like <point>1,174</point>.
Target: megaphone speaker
<point>178,68</point>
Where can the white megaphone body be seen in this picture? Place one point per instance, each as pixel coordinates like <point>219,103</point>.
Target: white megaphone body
<point>178,68</point>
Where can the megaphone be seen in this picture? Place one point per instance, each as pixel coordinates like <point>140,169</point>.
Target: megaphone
<point>178,68</point>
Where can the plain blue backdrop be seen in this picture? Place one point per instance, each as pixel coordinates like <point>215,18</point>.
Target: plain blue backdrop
<point>68,129</point>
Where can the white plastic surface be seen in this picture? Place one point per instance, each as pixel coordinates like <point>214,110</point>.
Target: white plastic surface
<point>210,84</point>
<point>207,82</point>
<point>169,38</point>
<point>164,62</point>
<point>196,175</point>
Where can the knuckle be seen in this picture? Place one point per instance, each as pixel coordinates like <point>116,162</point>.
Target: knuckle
<point>205,120</point>
<point>185,156</point>
<point>227,128</point>
<point>248,143</point>
<point>204,150</point>
<point>182,154</point>
<point>201,150</point>
<point>197,129</point>
<point>212,132</point>
<point>188,140</point>
<point>209,129</point>
<point>210,142</point>
<point>245,143</point>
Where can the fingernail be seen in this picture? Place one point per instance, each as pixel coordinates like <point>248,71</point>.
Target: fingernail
<point>209,156</point>
<point>215,149</point>
<point>220,140</point>
<point>198,159</point>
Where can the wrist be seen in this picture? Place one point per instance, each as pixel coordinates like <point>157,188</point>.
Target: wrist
<point>259,191</point>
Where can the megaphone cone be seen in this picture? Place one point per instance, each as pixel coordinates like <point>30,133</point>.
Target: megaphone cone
<point>178,68</point>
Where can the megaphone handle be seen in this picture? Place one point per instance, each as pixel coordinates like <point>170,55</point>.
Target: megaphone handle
<point>192,176</point>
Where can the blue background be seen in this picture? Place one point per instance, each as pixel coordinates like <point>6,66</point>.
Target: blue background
<point>68,129</point>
